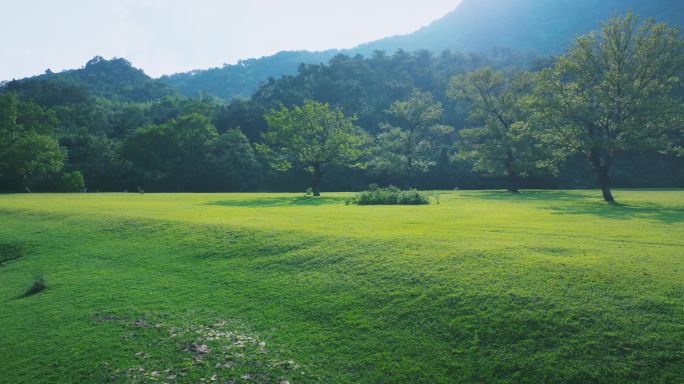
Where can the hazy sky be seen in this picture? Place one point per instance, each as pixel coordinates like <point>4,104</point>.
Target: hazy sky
<point>167,36</point>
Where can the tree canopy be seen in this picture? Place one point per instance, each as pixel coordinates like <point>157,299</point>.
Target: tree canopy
<point>504,143</point>
<point>614,92</point>
<point>420,119</point>
<point>410,144</point>
<point>312,135</point>
<point>27,149</point>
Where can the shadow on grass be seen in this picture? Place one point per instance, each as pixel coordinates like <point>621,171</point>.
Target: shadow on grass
<point>649,211</point>
<point>551,195</point>
<point>10,252</point>
<point>279,202</point>
<point>590,203</point>
<point>38,286</point>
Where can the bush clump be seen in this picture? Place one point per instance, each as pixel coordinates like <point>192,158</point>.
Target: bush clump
<point>38,286</point>
<point>71,182</point>
<point>389,196</point>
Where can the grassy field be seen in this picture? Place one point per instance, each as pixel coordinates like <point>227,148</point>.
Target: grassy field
<point>544,286</point>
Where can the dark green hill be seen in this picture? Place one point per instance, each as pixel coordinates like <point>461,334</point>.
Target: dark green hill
<point>114,79</point>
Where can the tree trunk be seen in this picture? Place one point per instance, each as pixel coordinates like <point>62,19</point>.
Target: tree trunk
<point>316,180</point>
<point>513,184</point>
<point>602,165</point>
<point>510,171</point>
<point>408,183</point>
<point>604,182</point>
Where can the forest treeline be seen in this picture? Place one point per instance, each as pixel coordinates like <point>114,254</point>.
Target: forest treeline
<point>607,112</point>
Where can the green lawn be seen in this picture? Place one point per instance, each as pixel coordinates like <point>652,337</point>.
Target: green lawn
<point>544,286</point>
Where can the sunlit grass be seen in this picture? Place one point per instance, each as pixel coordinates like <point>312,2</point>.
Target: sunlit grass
<point>553,286</point>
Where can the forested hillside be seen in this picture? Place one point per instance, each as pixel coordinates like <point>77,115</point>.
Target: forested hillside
<point>518,27</point>
<point>541,26</point>
<point>447,120</point>
<point>114,79</point>
<point>243,78</point>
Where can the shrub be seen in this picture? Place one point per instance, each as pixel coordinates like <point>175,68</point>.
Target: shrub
<point>71,182</point>
<point>389,196</point>
<point>38,286</point>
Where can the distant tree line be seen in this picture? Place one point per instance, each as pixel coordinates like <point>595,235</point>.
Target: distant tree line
<point>608,112</point>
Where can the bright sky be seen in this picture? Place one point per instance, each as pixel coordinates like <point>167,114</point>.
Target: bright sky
<point>167,36</point>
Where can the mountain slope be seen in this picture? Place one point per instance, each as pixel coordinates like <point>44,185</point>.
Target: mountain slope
<point>242,79</point>
<point>540,25</point>
<point>543,26</point>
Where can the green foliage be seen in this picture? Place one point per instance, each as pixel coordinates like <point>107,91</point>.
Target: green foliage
<point>27,148</point>
<point>389,196</point>
<point>234,163</point>
<point>367,86</point>
<point>242,79</point>
<point>71,182</point>
<point>113,79</point>
<point>312,135</point>
<point>175,153</point>
<point>188,153</point>
<point>613,92</point>
<point>98,158</point>
<point>411,133</point>
<point>172,107</point>
<point>409,146</point>
<point>490,27</point>
<point>31,154</point>
<point>49,92</point>
<point>504,144</point>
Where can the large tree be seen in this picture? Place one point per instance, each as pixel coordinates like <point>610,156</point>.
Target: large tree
<point>503,144</point>
<point>27,147</point>
<point>412,140</point>
<point>234,163</point>
<point>613,92</point>
<point>174,155</point>
<point>312,135</point>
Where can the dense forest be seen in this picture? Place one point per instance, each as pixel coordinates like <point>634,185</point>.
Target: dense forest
<point>423,120</point>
